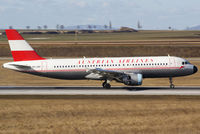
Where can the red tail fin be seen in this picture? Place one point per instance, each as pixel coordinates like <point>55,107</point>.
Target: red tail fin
<point>21,50</point>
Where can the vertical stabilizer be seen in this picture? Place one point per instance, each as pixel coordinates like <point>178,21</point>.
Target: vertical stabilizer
<point>20,49</point>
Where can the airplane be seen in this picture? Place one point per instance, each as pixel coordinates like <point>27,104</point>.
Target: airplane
<point>127,70</point>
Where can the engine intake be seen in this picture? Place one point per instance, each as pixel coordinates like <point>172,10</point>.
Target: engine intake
<point>133,79</point>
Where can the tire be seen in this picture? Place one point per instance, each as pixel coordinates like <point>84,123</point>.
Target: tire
<point>107,86</point>
<point>104,84</point>
<point>172,86</point>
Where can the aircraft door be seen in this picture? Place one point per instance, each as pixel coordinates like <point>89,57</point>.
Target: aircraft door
<point>172,62</point>
<point>44,66</point>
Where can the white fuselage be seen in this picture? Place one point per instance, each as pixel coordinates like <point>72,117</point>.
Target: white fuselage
<point>78,68</point>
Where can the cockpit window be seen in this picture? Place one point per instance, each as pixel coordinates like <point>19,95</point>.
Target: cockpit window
<point>185,63</point>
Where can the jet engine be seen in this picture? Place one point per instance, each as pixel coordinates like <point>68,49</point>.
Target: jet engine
<point>132,79</point>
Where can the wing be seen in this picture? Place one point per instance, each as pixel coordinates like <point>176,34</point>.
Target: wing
<point>99,73</point>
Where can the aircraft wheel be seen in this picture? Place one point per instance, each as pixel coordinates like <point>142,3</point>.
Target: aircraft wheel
<point>172,86</point>
<point>104,84</point>
<point>171,83</point>
<point>107,86</point>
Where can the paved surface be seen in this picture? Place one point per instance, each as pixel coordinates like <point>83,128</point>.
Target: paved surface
<point>45,90</point>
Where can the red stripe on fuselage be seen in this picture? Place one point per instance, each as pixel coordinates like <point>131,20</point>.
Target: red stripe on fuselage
<point>25,56</point>
<point>13,35</point>
<point>81,70</point>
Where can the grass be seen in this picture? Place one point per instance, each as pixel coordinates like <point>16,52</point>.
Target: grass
<point>142,43</point>
<point>141,35</point>
<point>12,78</point>
<point>120,50</point>
<point>99,114</point>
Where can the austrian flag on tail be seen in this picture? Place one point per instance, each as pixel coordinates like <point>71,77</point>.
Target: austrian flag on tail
<point>21,50</point>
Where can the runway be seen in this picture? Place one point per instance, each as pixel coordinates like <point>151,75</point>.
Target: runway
<point>91,90</point>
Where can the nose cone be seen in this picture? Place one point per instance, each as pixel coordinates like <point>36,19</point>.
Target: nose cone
<point>195,69</point>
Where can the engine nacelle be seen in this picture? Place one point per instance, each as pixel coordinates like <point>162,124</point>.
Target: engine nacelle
<point>133,79</point>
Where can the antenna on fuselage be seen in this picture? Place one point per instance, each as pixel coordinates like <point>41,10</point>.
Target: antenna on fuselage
<point>168,55</point>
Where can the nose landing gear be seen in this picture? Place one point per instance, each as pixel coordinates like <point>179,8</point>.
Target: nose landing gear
<point>171,83</point>
<point>106,84</point>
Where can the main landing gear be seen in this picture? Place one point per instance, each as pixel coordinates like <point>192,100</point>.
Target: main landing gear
<point>171,83</point>
<point>106,84</point>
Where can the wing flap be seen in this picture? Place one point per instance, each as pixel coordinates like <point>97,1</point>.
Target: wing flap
<point>99,73</point>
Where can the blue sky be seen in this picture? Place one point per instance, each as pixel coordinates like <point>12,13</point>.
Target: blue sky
<point>152,14</point>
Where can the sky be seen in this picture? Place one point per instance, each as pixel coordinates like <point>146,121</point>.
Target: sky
<point>152,14</point>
